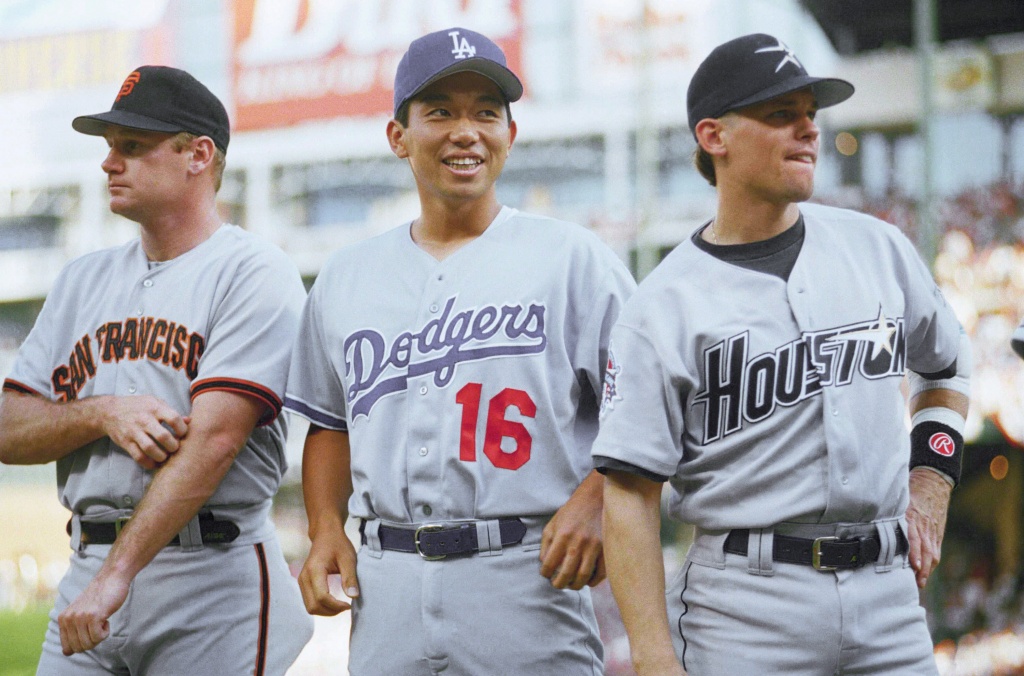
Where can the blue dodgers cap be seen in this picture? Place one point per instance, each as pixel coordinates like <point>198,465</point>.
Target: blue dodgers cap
<point>752,69</point>
<point>446,52</point>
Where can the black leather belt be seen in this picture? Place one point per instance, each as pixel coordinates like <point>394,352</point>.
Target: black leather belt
<point>213,531</point>
<point>434,542</point>
<point>826,553</point>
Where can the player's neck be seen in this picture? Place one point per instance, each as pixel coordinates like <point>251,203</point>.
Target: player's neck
<point>442,229</point>
<point>742,223</point>
<point>167,238</point>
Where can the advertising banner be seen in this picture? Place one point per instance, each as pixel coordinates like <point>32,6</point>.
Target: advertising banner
<point>298,60</point>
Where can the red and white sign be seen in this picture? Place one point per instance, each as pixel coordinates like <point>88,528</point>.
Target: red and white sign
<point>297,60</point>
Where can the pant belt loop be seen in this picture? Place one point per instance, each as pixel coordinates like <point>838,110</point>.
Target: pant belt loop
<point>191,537</point>
<point>759,552</point>
<point>488,538</point>
<point>76,533</point>
<point>888,541</point>
<point>371,533</point>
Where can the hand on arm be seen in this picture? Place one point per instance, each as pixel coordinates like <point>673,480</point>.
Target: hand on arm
<point>326,488</point>
<point>34,430</point>
<point>571,546</point>
<point>221,422</point>
<point>929,495</point>
<point>636,570</point>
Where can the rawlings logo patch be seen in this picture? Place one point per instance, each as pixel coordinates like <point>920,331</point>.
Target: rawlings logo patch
<point>942,443</point>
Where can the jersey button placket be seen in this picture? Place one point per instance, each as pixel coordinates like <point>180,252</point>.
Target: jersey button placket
<point>427,457</point>
<point>146,283</point>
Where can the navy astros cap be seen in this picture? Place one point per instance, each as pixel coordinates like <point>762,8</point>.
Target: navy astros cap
<point>446,52</point>
<point>160,98</point>
<point>752,69</point>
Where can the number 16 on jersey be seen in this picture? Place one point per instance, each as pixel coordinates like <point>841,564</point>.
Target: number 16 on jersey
<point>498,426</point>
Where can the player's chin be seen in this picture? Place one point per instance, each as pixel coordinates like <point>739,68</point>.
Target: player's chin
<point>799,190</point>
<point>120,206</point>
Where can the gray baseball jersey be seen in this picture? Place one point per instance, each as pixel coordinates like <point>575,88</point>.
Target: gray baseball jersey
<point>768,400</point>
<point>219,317</point>
<point>222,316</point>
<point>469,387</point>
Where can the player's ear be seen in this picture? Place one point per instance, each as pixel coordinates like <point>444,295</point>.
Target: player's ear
<point>202,151</point>
<point>709,132</point>
<point>396,139</point>
<point>512,129</point>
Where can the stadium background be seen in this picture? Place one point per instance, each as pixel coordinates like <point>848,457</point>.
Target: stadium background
<point>602,142</point>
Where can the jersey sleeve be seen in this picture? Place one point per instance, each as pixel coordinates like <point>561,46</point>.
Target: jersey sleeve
<point>34,364</point>
<point>250,337</point>
<point>616,287</point>
<point>315,389</point>
<point>641,412</point>
<point>932,330</point>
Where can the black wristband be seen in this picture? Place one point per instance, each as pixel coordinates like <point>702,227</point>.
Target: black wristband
<point>933,444</point>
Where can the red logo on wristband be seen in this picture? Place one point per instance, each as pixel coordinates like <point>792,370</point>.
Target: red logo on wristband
<point>942,443</point>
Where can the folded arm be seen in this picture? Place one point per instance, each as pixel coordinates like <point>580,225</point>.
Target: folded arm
<point>221,422</point>
<point>34,430</point>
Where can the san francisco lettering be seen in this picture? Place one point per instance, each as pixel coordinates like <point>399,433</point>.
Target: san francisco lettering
<point>150,338</point>
<point>454,337</point>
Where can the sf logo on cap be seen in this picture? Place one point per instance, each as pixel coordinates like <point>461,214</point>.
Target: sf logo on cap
<point>790,57</point>
<point>128,86</point>
<point>461,49</point>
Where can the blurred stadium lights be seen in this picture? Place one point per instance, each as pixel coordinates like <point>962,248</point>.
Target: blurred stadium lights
<point>867,25</point>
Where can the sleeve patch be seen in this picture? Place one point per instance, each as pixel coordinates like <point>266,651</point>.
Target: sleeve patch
<point>610,391</point>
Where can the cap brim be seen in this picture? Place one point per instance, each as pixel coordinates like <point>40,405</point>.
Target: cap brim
<point>510,86</point>
<point>1017,341</point>
<point>96,125</point>
<point>828,91</point>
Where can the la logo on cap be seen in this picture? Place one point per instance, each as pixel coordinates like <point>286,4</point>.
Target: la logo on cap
<point>128,86</point>
<point>461,49</point>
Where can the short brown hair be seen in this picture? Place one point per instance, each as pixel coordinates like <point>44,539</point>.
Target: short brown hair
<point>705,165</point>
<point>183,139</point>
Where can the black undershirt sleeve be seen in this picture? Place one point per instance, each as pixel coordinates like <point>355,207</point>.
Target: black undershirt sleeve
<point>603,463</point>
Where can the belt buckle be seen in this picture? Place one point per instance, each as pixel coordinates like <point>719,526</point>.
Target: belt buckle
<point>816,554</point>
<point>119,524</point>
<point>428,528</point>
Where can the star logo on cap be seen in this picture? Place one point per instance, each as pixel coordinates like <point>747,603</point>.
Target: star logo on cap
<point>789,57</point>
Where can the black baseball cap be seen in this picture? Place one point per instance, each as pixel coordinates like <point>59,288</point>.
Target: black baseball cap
<point>161,98</point>
<point>446,52</point>
<point>752,69</point>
